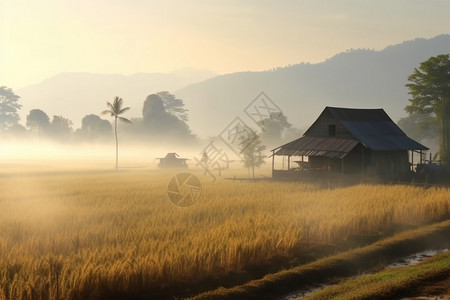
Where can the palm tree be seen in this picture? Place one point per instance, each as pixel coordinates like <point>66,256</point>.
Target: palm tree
<point>115,110</point>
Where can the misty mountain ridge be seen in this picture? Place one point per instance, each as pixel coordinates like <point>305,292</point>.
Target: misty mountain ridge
<point>359,78</point>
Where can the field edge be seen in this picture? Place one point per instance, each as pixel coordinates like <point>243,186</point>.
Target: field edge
<point>348,263</point>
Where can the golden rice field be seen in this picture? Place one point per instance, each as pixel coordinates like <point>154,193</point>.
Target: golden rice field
<point>91,235</point>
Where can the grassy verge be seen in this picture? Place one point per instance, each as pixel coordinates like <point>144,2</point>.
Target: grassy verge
<point>345,264</point>
<point>391,283</point>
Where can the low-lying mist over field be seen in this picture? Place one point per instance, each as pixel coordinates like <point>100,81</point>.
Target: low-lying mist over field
<point>49,154</point>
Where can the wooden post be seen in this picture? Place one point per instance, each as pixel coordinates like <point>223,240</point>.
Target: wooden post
<point>363,163</point>
<point>289,162</point>
<point>273,161</point>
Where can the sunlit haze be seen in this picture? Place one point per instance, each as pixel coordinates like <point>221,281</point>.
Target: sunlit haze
<point>39,39</point>
<point>224,149</point>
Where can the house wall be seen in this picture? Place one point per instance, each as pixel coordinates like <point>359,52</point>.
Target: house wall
<point>320,128</point>
<point>354,163</point>
<point>385,165</point>
<point>389,165</point>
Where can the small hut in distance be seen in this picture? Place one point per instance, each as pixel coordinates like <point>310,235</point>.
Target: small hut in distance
<point>172,160</point>
<point>348,141</point>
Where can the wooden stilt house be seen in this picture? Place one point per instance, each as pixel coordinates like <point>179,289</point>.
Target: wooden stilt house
<point>348,141</point>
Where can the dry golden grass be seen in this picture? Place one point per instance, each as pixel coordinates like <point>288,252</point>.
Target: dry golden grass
<point>97,234</point>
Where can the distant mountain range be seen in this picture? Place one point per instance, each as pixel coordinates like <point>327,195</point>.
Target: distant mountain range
<point>360,78</point>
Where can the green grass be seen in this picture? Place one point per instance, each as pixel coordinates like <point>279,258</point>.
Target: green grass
<point>389,283</point>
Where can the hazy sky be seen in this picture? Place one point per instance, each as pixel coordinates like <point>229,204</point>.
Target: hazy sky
<point>41,38</point>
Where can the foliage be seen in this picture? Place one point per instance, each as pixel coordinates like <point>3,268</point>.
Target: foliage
<point>164,117</point>
<point>60,128</point>
<point>290,134</point>
<point>8,108</point>
<point>273,127</point>
<point>173,105</point>
<point>38,120</point>
<point>17,130</point>
<point>115,110</point>
<point>251,149</point>
<point>93,124</point>
<point>160,123</point>
<point>153,107</point>
<point>421,126</point>
<point>93,129</point>
<point>429,87</point>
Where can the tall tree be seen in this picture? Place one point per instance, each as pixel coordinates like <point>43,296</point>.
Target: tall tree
<point>272,127</point>
<point>153,110</point>
<point>174,106</point>
<point>421,127</point>
<point>8,108</point>
<point>60,128</point>
<point>251,149</point>
<point>93,123</point>
<point>93,127</point>
<point>429,87</point>
<point>115,110</point>
<point>38,120</point>
<point>157,122</point>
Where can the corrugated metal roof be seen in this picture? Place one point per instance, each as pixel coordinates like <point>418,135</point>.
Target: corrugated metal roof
<point>373,128</point>
<point>381,135</point>
<point>316,146</point>
<point>359,114</point>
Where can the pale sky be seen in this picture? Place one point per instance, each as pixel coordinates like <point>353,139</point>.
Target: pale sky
<point>41,38</point>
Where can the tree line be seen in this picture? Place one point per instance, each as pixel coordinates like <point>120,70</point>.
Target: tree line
<point>164,117</point>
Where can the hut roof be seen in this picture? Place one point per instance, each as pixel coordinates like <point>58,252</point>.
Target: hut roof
<point>172,156</point>
<point>373,128</point>
<point>316,146</point>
